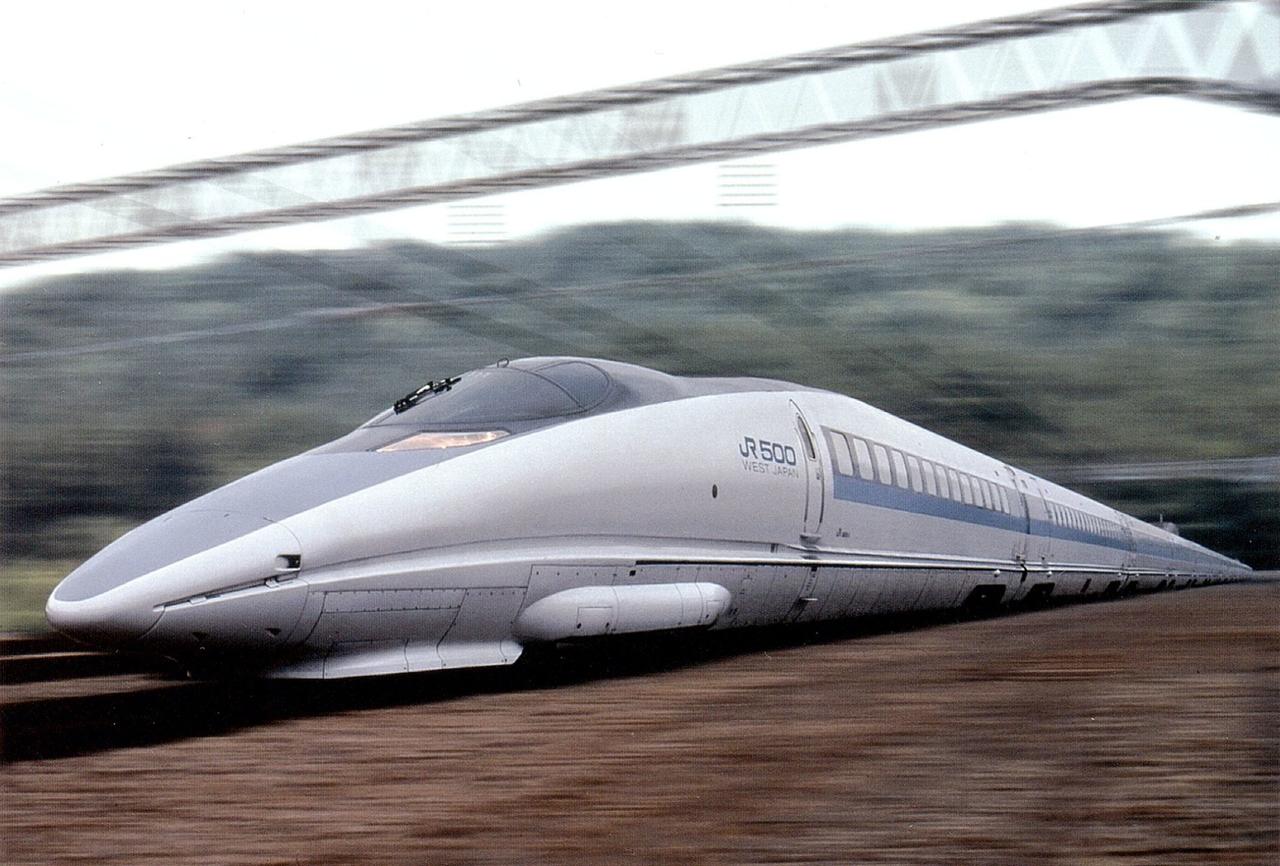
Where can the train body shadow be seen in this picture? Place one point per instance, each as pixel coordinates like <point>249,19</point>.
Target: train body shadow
<point>173,707</point>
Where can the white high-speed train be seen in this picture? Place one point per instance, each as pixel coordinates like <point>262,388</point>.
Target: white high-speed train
<point>550,499</point>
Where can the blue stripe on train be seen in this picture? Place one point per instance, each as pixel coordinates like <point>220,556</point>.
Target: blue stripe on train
<point>854,489</point>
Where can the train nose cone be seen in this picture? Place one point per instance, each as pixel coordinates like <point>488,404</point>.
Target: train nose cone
<point>119,594</point>
<point>104,620</point>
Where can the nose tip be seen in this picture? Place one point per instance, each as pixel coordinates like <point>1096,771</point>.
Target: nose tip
<point>119,595</point>
<point>109,619</point>
<point>153,546</point>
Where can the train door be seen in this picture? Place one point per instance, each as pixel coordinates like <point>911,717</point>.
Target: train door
<point>815,497</point>
<point>1038,539</point>
<point>1130,546</point>
<point>1022,540</point>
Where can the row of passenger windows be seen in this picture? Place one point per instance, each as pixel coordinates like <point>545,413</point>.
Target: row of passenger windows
<point>875,462</point>
<point>872,461</point>
<point>1152,544</point>
<point>1073,518</point>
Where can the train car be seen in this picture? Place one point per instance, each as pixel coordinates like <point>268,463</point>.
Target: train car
<point>558,498</point>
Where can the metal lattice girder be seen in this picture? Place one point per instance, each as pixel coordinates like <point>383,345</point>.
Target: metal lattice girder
<point>1227,50</point>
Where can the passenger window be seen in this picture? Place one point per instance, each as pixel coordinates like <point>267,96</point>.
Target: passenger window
<point>1004,501</point>
<point>864,459</point>
<point>926,470</point>
<point>944,490</point>
<point>840,452</point>
<point>955,484</point>
<point>913,469</point>
<point>965,490</point>
<point>983,497</point>
<point>882,464</point>
<point>899,469</point>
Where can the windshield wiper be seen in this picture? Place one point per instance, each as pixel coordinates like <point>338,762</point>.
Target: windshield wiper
<point>410,400</point>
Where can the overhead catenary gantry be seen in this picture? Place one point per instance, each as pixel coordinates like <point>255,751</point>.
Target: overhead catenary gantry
<point>1225,51</point>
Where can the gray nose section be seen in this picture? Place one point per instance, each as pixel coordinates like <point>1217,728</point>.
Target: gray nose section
<point>152,546</point>
<point>102,620</point>
<point>119,594</point>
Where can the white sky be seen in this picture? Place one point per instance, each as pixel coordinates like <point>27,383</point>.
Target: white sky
<point>91,90</point>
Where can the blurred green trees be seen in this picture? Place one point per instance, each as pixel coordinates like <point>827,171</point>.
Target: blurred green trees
<point>128,392</point>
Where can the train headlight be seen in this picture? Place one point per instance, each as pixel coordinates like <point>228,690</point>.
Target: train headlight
<point>432,441</point>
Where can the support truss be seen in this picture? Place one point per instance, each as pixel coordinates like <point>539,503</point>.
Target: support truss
<point>1225,51</point>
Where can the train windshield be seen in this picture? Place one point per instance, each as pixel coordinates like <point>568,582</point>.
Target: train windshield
<point>497,395</point>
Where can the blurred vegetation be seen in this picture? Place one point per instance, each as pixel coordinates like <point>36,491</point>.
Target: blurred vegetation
<point>128,392</point>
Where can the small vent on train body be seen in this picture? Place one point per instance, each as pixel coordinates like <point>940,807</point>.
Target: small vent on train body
<point>1039,593</point>
<point>985,595</point>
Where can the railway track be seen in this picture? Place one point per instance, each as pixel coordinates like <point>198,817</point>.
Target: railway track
<point>67,701</point>
<point>1145,730</point>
